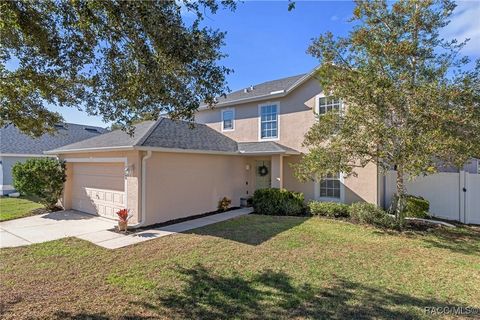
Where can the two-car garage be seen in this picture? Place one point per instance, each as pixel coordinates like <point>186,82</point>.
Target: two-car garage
<point>98,188</point>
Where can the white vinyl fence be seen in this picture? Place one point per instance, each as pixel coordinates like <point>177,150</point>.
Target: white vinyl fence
<point>452,195</point>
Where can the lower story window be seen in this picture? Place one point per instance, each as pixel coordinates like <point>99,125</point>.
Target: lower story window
<point>330,186</point>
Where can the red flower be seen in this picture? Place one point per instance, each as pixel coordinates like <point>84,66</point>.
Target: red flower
<point>123,215</point>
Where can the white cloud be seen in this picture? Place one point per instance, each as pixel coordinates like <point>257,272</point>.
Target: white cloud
<point>465,23</point>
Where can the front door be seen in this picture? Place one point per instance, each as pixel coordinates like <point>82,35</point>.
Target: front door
<point>262,174</point>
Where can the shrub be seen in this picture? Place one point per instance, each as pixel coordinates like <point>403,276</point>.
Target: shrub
<point>224,204</point>
<point>273,201</point>
<point>40,177</point>
<point>416,207</point>
<point>329,209</point>
<point>368,213</point>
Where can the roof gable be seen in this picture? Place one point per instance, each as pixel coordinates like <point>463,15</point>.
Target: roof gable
<point>263,91</point>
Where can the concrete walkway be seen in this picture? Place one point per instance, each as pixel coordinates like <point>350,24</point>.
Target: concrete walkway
<point>71,223</point>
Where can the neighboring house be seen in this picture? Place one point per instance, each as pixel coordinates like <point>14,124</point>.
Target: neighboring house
<point>18,147</point>
<point>168,170</point>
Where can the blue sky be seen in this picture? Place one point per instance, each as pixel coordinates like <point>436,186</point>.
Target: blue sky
<point>265,41</point>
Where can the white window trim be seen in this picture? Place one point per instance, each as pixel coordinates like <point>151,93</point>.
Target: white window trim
<point>330,199</point>
<point>277,103</point>
<point>317,103</point>
<point>233,120</point>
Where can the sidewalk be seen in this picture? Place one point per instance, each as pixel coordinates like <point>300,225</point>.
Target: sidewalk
<point>113,240</point>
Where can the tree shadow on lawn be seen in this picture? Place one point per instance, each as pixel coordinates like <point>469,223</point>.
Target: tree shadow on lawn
<point>96,316</point>
<point>461,239</point>
<point>272,295</point>
<point>259,229</point>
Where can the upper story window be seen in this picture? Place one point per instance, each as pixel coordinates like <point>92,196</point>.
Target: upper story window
<point>269,121</point>
<point>326,104</point>
<point>228,120</point>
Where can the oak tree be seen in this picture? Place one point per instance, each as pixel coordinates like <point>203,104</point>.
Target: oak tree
<point>412,102</point>
<point>116,59</point>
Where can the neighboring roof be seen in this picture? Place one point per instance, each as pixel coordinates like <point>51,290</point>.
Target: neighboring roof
<point>163,133</point>
<point>169,135</point>
<point>13,141</point>
<point>266,90</point>
<point>264,147</point>
<point>112,139</point>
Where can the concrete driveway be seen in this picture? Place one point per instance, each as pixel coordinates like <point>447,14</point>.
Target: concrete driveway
<point>50,226</point>
<point>71,223</point>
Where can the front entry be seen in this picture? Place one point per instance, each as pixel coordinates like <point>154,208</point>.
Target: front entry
<point>262,174</point>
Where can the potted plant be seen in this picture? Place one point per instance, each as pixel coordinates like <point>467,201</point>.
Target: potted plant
<point>224,204</point>
<point>123,218</point>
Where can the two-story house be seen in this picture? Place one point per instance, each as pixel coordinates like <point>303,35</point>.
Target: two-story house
<point>169,170</point>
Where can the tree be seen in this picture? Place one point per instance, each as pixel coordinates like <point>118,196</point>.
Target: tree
<point>118,59</point>
<point>411,101</point>
<point>40,177</point>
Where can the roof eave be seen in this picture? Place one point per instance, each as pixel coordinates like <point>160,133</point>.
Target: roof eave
<point>265,96</point>
<point>86,150</point>
<point>268,153</point>
<point>179,150</point>
<point>245,100</point>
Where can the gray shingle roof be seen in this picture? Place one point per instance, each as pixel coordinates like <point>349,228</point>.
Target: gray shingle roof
<point>163,133</point>
<point>264,147</point>
<point>262,89</point>
<point>13,141</point>
<point>116,138</point>
<point>170,134</point>
<point>181,135</point>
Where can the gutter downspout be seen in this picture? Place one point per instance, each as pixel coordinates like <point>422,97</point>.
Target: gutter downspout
<point>142,190</point>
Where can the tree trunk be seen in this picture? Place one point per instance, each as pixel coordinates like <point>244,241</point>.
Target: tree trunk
<point>400,200</point>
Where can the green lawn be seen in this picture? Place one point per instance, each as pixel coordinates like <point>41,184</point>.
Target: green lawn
<point>253,267</point>
<point>13,208</point>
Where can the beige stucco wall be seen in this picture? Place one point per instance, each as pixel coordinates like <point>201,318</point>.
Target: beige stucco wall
<point>179,185</point>
<point>292,183</point>
<point>362,187</point>
<point>133,180</point>
<point>296,117</point>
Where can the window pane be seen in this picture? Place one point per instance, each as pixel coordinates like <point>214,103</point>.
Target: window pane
<point>329,192</point>
<point>326,104</point>
<point>330,186</point>
<point>227,124</point>
<point>336,193</point>
<point>268,121</point>
<point>228,117</point>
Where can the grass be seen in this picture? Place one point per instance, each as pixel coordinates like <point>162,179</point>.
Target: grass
<point>14,208</point>
<point>253,267</point>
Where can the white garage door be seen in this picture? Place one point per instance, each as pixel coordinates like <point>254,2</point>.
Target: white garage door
<point>98,188</point>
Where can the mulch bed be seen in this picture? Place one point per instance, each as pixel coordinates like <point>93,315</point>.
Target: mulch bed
<point>170,222</point>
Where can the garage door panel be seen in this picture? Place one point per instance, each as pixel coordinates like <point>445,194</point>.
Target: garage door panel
<point>98,188</point>
<point>107,169</point>
<point>98,182</point>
